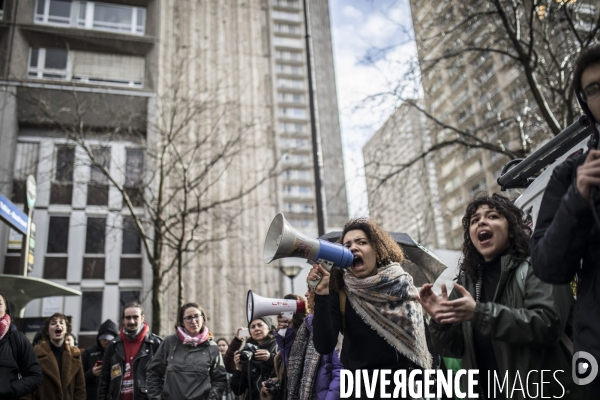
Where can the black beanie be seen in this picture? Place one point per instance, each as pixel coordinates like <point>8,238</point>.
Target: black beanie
<point>266,320</point>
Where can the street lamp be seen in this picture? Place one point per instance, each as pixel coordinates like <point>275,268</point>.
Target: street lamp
<point>291,271</point>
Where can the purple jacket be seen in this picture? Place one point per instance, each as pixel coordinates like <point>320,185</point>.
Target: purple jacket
<point>327,385</point>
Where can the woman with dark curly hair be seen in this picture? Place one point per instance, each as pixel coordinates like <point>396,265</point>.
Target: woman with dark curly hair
<point>61,363</point>
<point>382,321</point>
<point>500,318</point>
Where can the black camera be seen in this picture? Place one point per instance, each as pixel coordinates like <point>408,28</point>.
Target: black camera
<point>273,387</point>
<point>247,352</point>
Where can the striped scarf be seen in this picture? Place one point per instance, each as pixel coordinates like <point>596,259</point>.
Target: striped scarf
<point>387,302</point>
<point>303,366</point>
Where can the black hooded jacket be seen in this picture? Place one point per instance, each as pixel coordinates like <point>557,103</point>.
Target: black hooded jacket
<point>566,241</point>
<point>93,354</point>
<point>17,357</point>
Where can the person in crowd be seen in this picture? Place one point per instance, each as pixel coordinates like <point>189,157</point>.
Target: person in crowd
<point>16,358</point>
<point>382,321</point>
<point>500,318</point>
<point>37,339</point>
<point>566,240</point>
<point>254,362</point>
<point>93,356</point>
<point>61,363</point>
<point>188,364</point>
<point>123,374</point>
<point>311,375</point>
<point>223,346</point>
<point>71,340</point>
<point>284,344</point>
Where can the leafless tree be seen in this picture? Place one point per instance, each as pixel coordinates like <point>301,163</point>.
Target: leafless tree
<point>513,60</point>
<point>172,194</point>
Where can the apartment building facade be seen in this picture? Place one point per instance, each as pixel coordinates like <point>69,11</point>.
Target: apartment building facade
<point>480,92</point>
<point>407,201</point>
<point>111,66</point>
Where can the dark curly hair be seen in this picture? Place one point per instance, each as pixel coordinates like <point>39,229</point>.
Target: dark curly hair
<point>518,231</point>
<point>386,249</point>
<point>182,311</point>
<point>45,329</point>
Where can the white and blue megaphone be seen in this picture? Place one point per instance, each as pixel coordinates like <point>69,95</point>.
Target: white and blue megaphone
<point>284,241</point>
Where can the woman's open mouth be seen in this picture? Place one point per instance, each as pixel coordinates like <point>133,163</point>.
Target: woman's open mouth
<point>358,262</point>
<point>485,236</point>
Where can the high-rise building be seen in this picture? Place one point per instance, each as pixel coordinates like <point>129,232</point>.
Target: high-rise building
<point>407,201</point>
<point>131,73</point>
<point>470,85</point>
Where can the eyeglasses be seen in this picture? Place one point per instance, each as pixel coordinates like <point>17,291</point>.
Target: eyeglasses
<point>190,318</point>
<point>590,91</point>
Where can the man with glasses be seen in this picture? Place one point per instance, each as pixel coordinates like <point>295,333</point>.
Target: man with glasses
<point>123,375</point>
<point>566,240</point>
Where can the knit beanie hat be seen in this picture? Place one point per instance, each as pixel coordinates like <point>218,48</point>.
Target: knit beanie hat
<point>266,320</point>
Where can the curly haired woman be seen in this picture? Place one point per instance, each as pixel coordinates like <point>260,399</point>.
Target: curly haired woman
<point>500,318</point>
<point>383,323</point>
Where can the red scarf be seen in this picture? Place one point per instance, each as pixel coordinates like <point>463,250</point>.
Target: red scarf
<point>132,347</point>
<point>4,325</point>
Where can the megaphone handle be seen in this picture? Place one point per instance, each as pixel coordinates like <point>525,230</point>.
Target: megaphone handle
<point>313,284</point>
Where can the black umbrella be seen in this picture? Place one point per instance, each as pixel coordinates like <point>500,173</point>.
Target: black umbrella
<point>419,262</point>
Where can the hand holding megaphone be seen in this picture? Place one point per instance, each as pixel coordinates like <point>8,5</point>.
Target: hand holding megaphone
<point>318,279</point>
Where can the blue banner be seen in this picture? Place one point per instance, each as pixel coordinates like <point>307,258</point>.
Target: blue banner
<point>14,217</point>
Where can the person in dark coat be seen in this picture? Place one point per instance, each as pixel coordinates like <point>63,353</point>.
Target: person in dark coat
<point>123,375</point>
<point>188,364</point>
<point>93,356</point>
<point>16,357</point>
<point>382,323</point>
<point>249,374</point>
<point>566,240</point>
<point>500,318</point>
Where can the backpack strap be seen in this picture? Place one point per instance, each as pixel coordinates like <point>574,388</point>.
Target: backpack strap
<point>342,294</point>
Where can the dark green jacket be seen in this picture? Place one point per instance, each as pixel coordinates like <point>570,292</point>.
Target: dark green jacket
<point>525,330</point>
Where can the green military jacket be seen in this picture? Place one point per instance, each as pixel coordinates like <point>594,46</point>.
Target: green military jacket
<point>525,325</point>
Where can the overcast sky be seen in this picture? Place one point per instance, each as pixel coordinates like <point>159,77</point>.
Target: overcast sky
<point>358,26</point>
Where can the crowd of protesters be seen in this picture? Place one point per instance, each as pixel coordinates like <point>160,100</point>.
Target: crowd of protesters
<point>507,313</point>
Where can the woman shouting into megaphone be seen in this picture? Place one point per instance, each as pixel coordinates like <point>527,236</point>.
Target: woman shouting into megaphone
<point>373,304</point>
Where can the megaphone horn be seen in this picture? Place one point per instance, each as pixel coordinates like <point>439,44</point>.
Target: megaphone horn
<point>258,306</point>
<point>284,241</point>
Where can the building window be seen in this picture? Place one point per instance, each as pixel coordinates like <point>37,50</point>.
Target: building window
<point>134,175</point>
<point>286,16</point>
<point>95,235</point>
<point>290,83</point>
<point>48,63</point>
<point>91,15</point>
<point>289,55</point>
<point>289,69</point>
<point>287,42</point>
<point>286,3</point>
<point>478,187</point>
<point>86,67</point>
<point>61,191</point>
<point>292,112</point>
<point>91,311</point>
<point>287,28</point>
<point>55,12</point>
<point>26,164</point>
<point>97,194</point>
<point>127,297</point>
<point>131,257</point>
<point>291,127</point>
<point>1,8</point>
<point>55,263</point>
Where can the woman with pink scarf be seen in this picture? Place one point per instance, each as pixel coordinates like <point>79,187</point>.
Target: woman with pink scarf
<point>188,364</point>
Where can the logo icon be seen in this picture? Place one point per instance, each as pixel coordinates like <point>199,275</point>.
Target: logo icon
<point>584,364</point>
